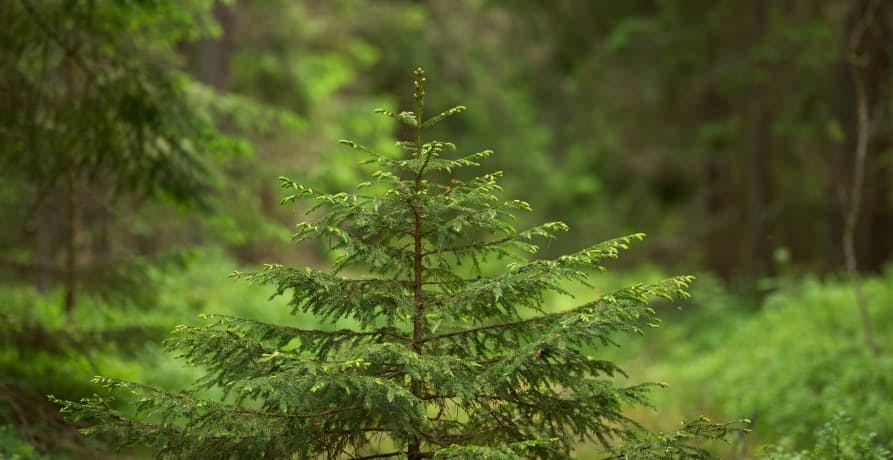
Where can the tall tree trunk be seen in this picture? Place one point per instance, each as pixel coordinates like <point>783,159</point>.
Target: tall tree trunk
<point>46,235</point>
<point>212,55</point>
<point>839,166</point>
<point>865,64</point>
<point>759,164</point>
<point>877,220</point>
<point>721,251</point>
<point>71,263</point>
<point>873,246</point>
<point>71,181</point>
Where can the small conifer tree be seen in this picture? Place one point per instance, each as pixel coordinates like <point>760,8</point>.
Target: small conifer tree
<point>445,361</point>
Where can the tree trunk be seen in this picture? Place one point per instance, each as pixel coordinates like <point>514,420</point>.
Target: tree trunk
<point>212,55</point>
<point>759,165</point>
<point>74,224</point>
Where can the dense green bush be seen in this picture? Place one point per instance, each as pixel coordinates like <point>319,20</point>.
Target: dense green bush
<point>802,359</point>
<point>40,354</point>
<point>837,439</point>
<point>790,363</point>
<point>13,446</point>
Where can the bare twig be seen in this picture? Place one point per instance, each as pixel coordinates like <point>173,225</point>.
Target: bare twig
<point>855,195</point>
<point>387,455</point>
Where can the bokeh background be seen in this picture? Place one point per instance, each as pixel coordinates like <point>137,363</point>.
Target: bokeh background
<point>140,142</point>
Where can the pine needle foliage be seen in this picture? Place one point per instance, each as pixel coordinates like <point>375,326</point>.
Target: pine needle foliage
<point>446,361</point>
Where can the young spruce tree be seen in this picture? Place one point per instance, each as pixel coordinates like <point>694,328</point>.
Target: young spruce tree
<point>444,362</point>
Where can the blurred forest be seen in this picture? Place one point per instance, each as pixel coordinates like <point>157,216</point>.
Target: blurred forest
<point>140,141</point>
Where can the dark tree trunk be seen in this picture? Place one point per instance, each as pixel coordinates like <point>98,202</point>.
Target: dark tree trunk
<point>839,167</point>
<point>877,223</point>
<point>212,56</point>
<point>721,250</point>
<point>46,236</point>
<point>74,229</point>
<point>759,164</point>
<point>873,234</point>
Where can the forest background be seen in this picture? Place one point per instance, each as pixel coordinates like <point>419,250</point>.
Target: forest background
<point>140,143</point>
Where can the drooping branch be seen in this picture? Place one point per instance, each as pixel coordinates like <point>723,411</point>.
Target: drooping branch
<point>614,302</point>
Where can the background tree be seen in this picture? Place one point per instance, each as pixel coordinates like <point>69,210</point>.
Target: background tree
<point>101,121</point>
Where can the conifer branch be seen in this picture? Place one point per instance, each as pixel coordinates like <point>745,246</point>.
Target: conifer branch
<point>671,286</point>
<point>543,231</point>
<point>387,455</point>
<point>293,332</point>
<point>471,246</point>
<point>136,388</point>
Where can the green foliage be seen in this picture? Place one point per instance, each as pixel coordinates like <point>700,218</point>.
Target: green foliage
<point>40,353</point>
<point>104,121</point>
<point>99,95</point>
<point>676,445</point>
<point>14,447</point>
<point>792,365</point>
<point>105,134</point>
<point>825,368</point>
<point>446,360</point>
<point>837,439</point>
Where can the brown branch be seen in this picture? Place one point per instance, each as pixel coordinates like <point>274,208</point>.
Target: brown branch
<point>510,323</point>
<point>242,410</point>
<point>855,195</point>
<point>484,245</point>
<point>479,329</point>
<point>299,331</point>
<point>387,455</point>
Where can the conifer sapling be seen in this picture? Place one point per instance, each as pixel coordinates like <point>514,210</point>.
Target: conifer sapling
<point>445,359</point>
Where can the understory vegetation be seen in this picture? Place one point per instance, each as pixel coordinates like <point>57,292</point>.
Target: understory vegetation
<point>718,356</point>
